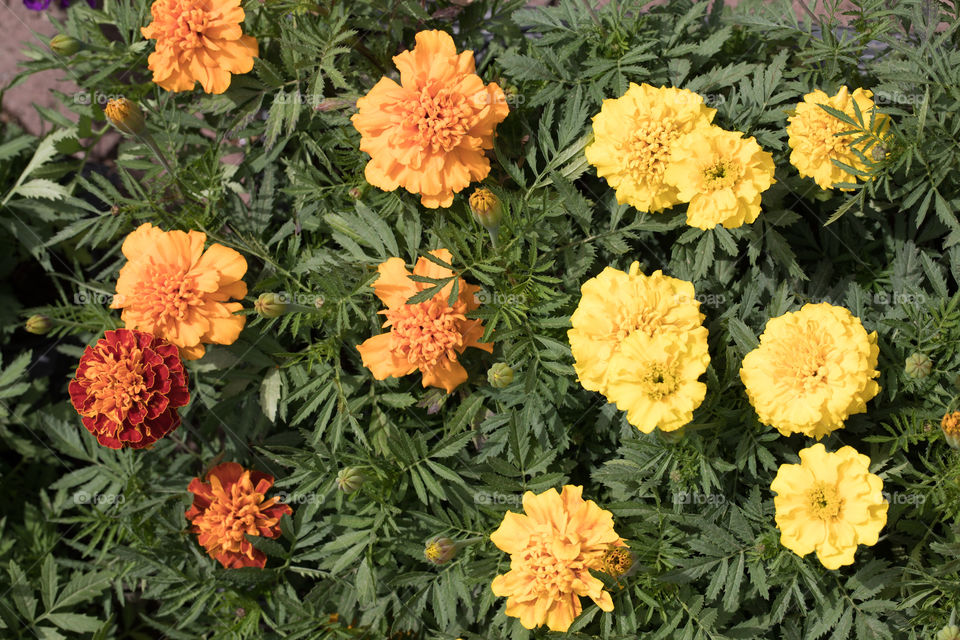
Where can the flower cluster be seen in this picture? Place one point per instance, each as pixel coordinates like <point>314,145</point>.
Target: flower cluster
<point>658,148</point>
<point>639,340</point>
<point>554,545</point>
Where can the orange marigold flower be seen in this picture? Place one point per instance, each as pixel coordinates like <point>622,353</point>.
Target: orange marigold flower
<point>231,505</point>
<point>128,387</point>
<point>428,133</point>
<point>172,288</point>
<point>553,548</point>
<point>428,335</point>
<point>198,41</point>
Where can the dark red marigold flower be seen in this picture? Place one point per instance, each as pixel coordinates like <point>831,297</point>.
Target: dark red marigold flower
<point>229,505</point>
<point>128,387</point>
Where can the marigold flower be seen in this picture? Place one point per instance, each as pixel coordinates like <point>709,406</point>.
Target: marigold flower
<point>721,174</point>
<point>812,369</point>
<point>553,547</point>
<point>655,379</point>
<point>829,503</point>
<point>230,505</point>
<point>428,335</point>
<point>125,115</point>
<point>950,425</point>
<point>198,41</point>
<point>813,135</point>
<point>174,289</point>
<point>634,137</point>
<point>428,133</point>
<point>640,341</point>
<point>128,387</point>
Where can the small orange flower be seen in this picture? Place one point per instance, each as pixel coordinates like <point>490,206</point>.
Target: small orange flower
<point>231,505</point>
<point>428,133</point>
<point>427,335</point>
<point>172,288</point>
<point>128,387</point>
<point>198,41</point>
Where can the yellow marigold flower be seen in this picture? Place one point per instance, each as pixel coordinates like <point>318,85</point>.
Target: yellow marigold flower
<point>172,288</point>
<point>428,133</point>
<point>633,139</point>
<point>125,115</point>
<point>427,336</point>
<point>721,174</point>
<point>198,41</point>
<point>553,547</point>
<point>640,341</point>
<point>950,425</point>
<point>812,369</point>
<point>829,503</point>
<point>814,140</point>
<point>655,379</point>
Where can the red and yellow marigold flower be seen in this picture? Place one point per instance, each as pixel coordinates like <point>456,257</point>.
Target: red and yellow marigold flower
<point>428,134</point>
<point>230,505</point>
<point>172,288</point>
<point>198,41</point>
<point>128,387</point>
<point>553,547</point>
<point>428,336</point>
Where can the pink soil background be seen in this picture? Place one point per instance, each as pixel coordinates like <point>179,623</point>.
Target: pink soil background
<point>19,25</point>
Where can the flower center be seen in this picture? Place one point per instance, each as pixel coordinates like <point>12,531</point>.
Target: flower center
<point>646,151</point>
<point>555,563</point>
<point>829,128</point>
<point>824,501</point>
<point>803,363</point>
<point>116,384</point>
<point>659,380</point>
<point>183,22</point>
<point>425,333</point>
<point>171,293</point>
<point>438,119</point>
<point>723,174</point>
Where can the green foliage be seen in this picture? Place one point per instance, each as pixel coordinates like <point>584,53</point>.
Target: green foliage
<point>94,542</point>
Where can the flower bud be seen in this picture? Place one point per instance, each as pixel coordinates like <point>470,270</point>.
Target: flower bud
<point>500,375</point>
<point>617,561</point>
<point>39,325</point>
<point>918,366</point>
<point>65,45</point>
<point>951,430</point>
<point>349,479</point>
<point>270,305</point>
<point>949,632</point>
<point>125,115</point>
<point>440,550</point>
<point>485,205</point>
<point>355,193</point>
